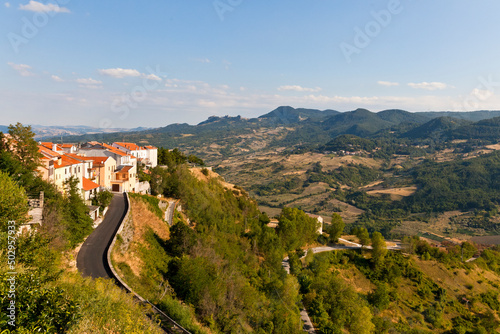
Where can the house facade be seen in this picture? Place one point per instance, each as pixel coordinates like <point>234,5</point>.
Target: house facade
<point>96,166</point>
<point>147,155</point>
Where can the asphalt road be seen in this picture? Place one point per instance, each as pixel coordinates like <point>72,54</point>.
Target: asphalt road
<point>170,212</point>
<point>92,257</point>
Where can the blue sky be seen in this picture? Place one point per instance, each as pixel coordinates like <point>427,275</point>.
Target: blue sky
<point>152,63</point>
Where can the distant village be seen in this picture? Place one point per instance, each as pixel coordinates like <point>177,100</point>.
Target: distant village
<point>96,166</point>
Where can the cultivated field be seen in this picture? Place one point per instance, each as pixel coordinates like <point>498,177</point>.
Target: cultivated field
<point>395,193</point>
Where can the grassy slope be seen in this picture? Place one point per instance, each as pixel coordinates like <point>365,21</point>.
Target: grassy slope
<point>140,259</point>
<point>409,304</point>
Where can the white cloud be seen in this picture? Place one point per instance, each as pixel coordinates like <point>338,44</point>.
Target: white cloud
<point>7,4</point>
<point>89,83</point>
<point>297,88</point>
<point>482,94</point>
<point>152,77</point>
<point>56,78</point>
<point>120,72</point>
<point>387,83</point>
<point>429,85</point>
<point>22,69</point>
<point>35,6</point>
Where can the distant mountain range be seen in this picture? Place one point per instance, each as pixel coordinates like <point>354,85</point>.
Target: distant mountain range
<point>42,131</point>
<point>287,128</point>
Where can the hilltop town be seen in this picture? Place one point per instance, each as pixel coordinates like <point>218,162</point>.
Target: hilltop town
<point>97,166</point>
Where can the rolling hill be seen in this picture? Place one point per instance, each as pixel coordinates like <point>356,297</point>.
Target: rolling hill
<point>288,128</point>
<point>436,127</point>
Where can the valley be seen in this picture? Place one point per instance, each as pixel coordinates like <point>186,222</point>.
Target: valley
<point>249,192</point>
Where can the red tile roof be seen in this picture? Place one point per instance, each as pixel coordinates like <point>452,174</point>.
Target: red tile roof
<point>66,161</point>
<point>50,145</point>
<point>125,169</point>
<point>129,146</point>
<point>76,157</point>
<point>97,160</point>
<point>47,152</point>
<point>114,150</point>
<point>88,184</point>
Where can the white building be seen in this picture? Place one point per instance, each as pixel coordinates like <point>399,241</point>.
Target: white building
<point>148,155</point>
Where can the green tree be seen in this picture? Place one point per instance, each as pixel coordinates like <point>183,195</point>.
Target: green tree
<point>79,223</point>
<point>379,248</point>
<point>141,172</point>
<point>363,236</point>
<point>336,228</point>
<point>296,228</point>
<point>103,199</point>
<point>195,160</point>
<point>380,297</point>
<point>171,158</point>
<point>24,146</point>
<point>182,238</point>
<point>158,180</point>
<point>40,309</point>
<point>19,156</point>
<point>13,202</point>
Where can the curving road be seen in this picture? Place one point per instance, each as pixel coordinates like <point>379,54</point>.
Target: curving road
<point>92,257</point>
<point>169,214</point>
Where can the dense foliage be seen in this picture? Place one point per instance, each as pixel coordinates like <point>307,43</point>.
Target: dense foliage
<point>415,301</point>
<point>227,263</point>
<point>461,184</point>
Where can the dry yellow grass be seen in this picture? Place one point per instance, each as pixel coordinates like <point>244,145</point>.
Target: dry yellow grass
<point>354,278</point>
<point>459,281</point>
<point>396,193</point>
<point>303,161</point>
<point>373,184</point>
<point>495,147</point>
<point>142,220</point>
<point>197,172</point>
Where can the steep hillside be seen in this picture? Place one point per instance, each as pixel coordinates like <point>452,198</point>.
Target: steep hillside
<point>401,116</point>
<point>488,130</point>
<point>288,115</point>
<point>139,257</point>
<point>219,272</point>
<point>348,290</point>
<point>436,128</point>
<point>360,122</point>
